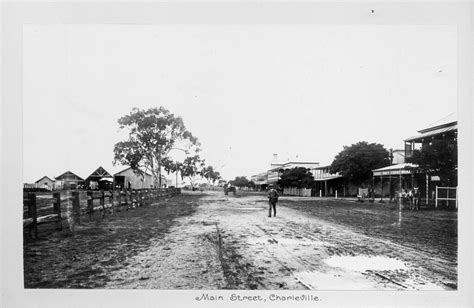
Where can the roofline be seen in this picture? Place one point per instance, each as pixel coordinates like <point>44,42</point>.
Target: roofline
<point>333,177</point>
<point>44,177</point>
<point>261,173</point>
<point>300,162</point>
<point>321,167</point>
<point>131,168</point>
<point>98,169</point>
<point>69,172</point>
<point>406,166</point>
<point>425,130</point>
<point>421,136</point>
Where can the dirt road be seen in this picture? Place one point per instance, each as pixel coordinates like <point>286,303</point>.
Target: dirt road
<point>213,241</point>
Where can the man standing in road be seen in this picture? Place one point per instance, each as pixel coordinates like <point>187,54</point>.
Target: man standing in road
<point>272,200</point>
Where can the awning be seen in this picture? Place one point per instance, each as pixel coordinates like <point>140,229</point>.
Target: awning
<point>328,178</point>
<point>433,133</point>
<point>399,169</point>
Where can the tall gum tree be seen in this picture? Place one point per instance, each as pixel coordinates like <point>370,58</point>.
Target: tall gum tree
<point>210,174</point>
<point>153,134</point>
<point>191,167</point>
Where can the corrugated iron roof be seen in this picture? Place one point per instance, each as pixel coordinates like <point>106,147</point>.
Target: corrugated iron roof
<point>331,177</point>
<point>59,177</point>
<point>433,133</point>
<point>118,173</point>
<point>397,167</point>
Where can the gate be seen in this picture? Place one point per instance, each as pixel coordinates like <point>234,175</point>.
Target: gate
<point>447,194</point>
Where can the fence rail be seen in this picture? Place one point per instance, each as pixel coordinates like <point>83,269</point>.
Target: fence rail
<point>451,194</point>
<point>68,207</point>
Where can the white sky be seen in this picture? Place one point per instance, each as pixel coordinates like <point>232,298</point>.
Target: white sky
<point>245,91</point>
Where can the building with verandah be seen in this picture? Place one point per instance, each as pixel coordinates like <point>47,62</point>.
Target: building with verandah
<point>396,178</point>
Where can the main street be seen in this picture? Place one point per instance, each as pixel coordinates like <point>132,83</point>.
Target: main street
<point>212,241</point>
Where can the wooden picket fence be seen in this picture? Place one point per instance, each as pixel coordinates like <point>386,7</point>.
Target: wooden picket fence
<point>293,191</point>
<point>67,208</point>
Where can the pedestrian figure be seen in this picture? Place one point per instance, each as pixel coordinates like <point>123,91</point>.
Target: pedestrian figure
<point>416,199</point>
<point>272,200</point>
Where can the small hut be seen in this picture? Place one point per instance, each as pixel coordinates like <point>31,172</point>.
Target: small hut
<point>45,182</point>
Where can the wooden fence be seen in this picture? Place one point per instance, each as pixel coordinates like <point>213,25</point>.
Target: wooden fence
<point>293,191</point>
<point>68,207</point>
<point>446,194</point>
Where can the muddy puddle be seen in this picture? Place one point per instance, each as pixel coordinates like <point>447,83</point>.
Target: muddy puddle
<point>364,263</point>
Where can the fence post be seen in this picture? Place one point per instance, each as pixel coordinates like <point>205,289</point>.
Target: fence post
<point>76,209</point>
<point>107,204</point>
<point>129,198</point>
<point>320,193</point>
<point>436,197</point>
<point>33,214</point>
<point>152,196</point>
<point>67,209</point>
<point>140,197</point>
<point>111,201</point>
<point>143,197</point>
<point>57,210</point>
<point>90,205</point>
<point>115,201</point>
<point>123,199</point>
<point>447,198</point>
<point>102,202</point>
<point>134,199</point>
<point>119,201</point>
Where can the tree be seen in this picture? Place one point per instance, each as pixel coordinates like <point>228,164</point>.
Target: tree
<point>153,134</point>
<point>251,184</point>
<point>240,181</point>
<point>298,177</point>
<point>357,161</point>
<point>438,157</point>
<point>191,167</point>
<point>210,174</point>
